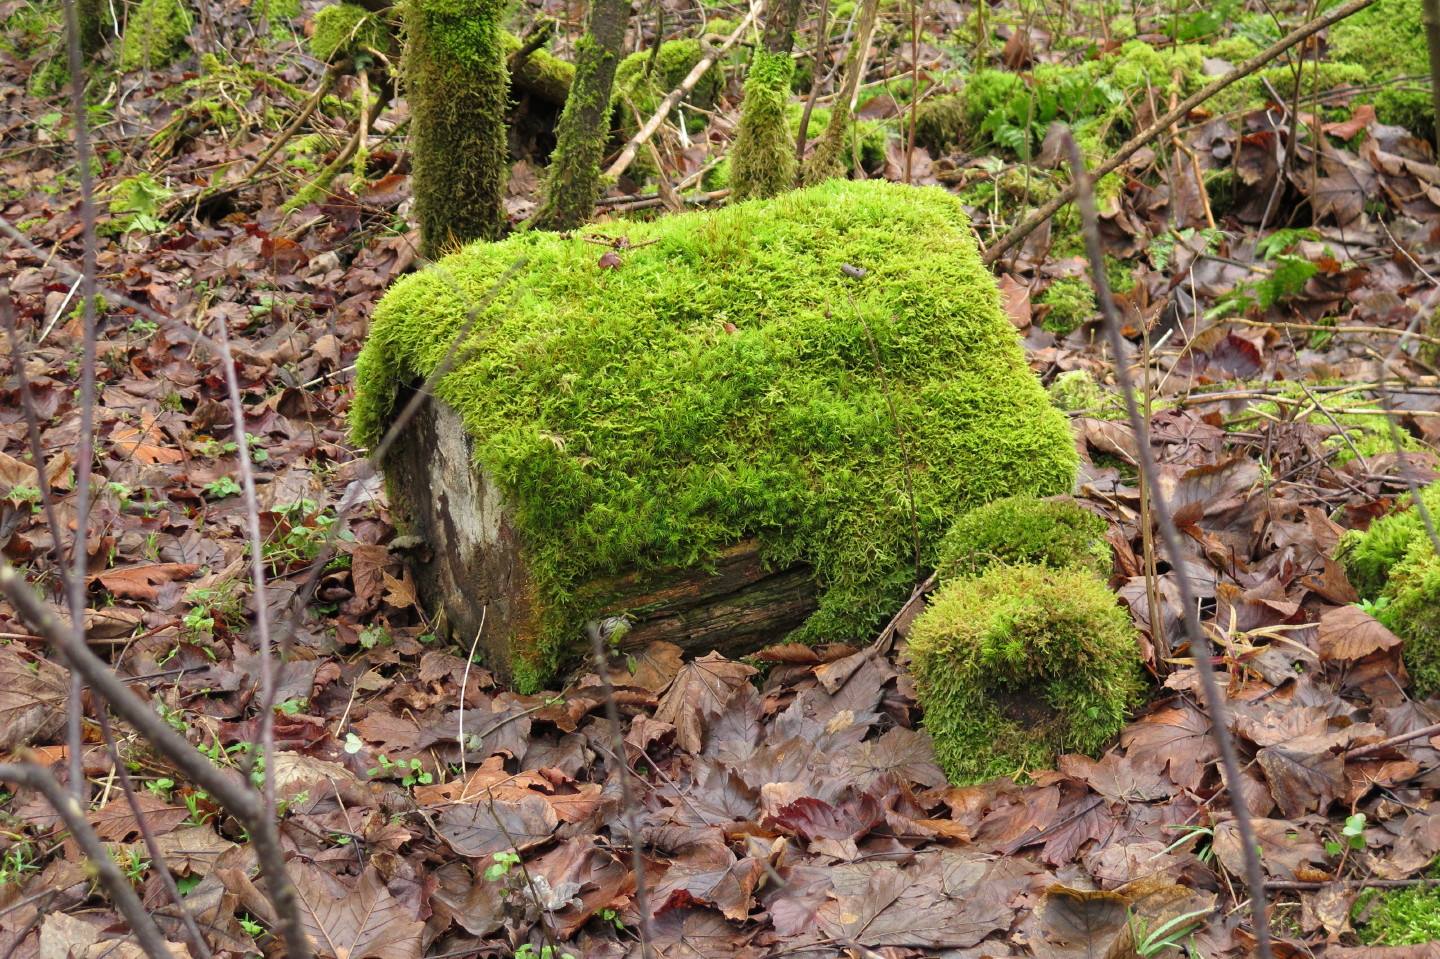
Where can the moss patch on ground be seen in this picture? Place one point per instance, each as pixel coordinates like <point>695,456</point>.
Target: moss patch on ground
<point>632,429</point>
<point>1022,530</point>
<point>1393,565</point>
<point>645,83</point>
<point>1384,41</point>
<point>1400,917</point>
<point>1019,664</point>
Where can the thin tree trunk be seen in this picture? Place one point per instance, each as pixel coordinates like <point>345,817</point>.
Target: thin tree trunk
<point>763,161</point>
<point>573,183</point>
<point>825,163</point>
<point>457,83</point>
<point>1431,14</point>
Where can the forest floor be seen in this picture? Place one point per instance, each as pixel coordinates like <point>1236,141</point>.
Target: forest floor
<point>799,816</point>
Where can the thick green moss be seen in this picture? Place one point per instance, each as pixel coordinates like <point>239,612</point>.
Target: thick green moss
<point>343,29</point>
<point>1019,664</point>
<point>1393,565</point>
<point>572,182</point>
<point>1071,300</point>
<point>155,34</point>
<point>1023,530</point>
<point>1401,917</point>
<point>645,85</point>
<point>631,429</point>
<point>1384,41</point>
<point>455,71</point>
<point>763,158</point>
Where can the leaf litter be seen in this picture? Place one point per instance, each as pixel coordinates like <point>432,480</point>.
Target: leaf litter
<point>801,813</point>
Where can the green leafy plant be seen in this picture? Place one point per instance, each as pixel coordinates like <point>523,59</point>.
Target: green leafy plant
<point>413,771</point>
<point>1353,834</point>
<point>500,868</point>
<point>528,951</point>
<point>221,488</point>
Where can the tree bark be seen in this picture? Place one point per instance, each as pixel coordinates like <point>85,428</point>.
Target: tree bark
<point>572,184</point>
<point>825,163</point>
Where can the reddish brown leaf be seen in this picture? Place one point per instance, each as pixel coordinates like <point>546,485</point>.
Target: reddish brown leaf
<point>141,582</point>
<point>698,694</point>
<point>478,829</point>
<point>116,821</point>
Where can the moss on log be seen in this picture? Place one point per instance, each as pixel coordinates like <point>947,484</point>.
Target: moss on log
<point>718,378</point>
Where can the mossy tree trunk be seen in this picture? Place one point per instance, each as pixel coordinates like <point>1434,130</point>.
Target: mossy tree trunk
<point>825,162</point>
<point>573,183</point>
<point>457,80</point>
<point>763,160</point>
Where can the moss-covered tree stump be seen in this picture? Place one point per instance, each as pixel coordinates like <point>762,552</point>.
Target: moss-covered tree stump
<point>691,433</point>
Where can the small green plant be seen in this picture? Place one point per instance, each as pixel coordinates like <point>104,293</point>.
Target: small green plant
<point>612,917</point>
<point>500,868</point>
<point>413,771</point>
<point>131,863</point>
<point>21,859</point>
<point>1353,834</point>
<point>192,801</point>
<point>291,707</point>
<point>25,494</point>
<point>251,925</point>
<point>137,201</point>
<point>1204,849</point>
<point>221,488</point>
<point>218,607</point>
<point>528,951</point>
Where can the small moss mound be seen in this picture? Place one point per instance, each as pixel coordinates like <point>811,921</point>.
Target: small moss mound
<point>1023,530</point>
<point>1394,566</point>
<point>1076,390</point>
<point>940,122</point>
<point>155,35</point>
<point>1019,664</point>
<point>720,385</point>
<point>343,29</point>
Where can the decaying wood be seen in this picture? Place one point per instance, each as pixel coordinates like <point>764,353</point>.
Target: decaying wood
<point>468,559</point>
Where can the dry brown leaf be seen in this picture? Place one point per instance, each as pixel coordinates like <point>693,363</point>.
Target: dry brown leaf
<point>32,698</point>
<point>698,694</point>
<point>1350,633</point>
<point>366,922</point>
<point>142,582</point>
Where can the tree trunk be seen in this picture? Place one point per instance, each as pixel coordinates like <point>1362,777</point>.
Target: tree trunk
<point>456,79</point>
<point>472,575</point>
<point>763,162</point>
<point>573,182</point>
<point>825,163</point>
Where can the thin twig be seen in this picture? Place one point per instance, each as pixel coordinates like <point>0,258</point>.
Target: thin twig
<point>1199,641</point>
<point>69,809</point>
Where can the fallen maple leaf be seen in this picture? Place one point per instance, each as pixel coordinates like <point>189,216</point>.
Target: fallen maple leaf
<point>698,694</point>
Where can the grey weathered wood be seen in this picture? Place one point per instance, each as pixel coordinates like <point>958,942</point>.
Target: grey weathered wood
<point>472,568</point>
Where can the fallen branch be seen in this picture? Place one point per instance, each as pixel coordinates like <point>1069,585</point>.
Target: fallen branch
<point>627,155</point>
<point>1027,226</point>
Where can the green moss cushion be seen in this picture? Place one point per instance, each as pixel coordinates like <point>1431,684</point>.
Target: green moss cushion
<point>723,382</point>
<point>1019,664</point>
<point>1024,530</point>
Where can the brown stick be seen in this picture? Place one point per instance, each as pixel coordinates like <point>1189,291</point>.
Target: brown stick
<point>151,940</point>
<point>1195,632</point>
<point>1027,226</point>
<point>627,155</point>
<point>326,82</point>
